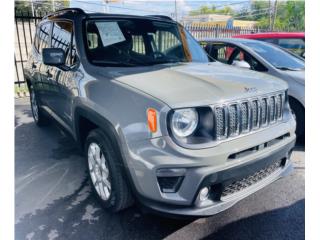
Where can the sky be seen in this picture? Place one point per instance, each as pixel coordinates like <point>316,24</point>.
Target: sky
<point>149,7</point>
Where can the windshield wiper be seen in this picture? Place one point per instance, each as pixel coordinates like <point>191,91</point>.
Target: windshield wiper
<point>289,69</point>
<point>168,60</point>
<point>112,63</point>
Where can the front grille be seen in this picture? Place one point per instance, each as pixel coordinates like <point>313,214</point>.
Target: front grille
<point>220,122</point>
<point>244,116</point>
<point>279,106</point>
<point>233,119</point>
<point>264,110</point>
<point>248,181</point>
<point>255,110</point>
<point>272,111</point>
<point>247,115</point>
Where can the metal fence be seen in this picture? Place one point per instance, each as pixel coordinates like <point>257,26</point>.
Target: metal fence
<point>201,32</point>
<point>25,26</point>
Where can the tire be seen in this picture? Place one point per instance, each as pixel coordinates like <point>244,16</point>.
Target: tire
<point>298,111</point>
<point>39,117</point>
<point>109,185</point>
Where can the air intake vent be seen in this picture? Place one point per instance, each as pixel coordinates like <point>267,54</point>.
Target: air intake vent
<point>169,184</point>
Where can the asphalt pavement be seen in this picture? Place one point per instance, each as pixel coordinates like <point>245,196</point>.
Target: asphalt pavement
<point>53,198</point>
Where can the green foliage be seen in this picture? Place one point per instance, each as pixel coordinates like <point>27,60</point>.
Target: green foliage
<point>290,14</point>
<point>40,6</point>
<point>22,6</point>
<point>212,10</point>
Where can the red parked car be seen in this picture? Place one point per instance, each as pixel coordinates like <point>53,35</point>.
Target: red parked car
<point>293,41</point>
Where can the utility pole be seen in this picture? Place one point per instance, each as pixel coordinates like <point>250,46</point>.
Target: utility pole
<point>274,14</point>
<point>105,6</point>
<point>270,15</point>
<point>32,8</point>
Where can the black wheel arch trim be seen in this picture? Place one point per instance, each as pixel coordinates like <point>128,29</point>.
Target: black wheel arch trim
<point>296,100</point>
<point>109,129</point>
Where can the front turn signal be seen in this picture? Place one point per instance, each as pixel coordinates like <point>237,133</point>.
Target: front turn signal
<point>152,119</point>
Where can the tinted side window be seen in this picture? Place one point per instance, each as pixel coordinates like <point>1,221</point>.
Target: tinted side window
<point>62,37</point>
<point>163,41</point>
<point>138,45</point>
<point>254,64</point>
<point>92,39</point>
<point>269,40</point>
<point>219,51</point>
<point>43,36</point>
<point>296,45</point>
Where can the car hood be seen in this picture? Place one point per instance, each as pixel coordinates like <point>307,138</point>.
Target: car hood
<point>194,84</point>
<point>298,76</point>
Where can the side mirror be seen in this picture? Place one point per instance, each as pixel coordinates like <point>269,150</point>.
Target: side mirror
<point>53,57</point>
<point>241,64</point>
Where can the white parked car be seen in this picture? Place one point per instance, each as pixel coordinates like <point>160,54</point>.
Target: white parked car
<point>265,57</point>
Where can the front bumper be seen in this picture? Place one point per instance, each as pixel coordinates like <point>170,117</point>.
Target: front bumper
<point>217,206</point>
<point>207,167</point>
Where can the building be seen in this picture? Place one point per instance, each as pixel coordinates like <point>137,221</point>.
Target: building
<point>217,20</point>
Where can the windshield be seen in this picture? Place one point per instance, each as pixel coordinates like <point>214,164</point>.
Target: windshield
<point>139,42</point>
<point>276,56</point>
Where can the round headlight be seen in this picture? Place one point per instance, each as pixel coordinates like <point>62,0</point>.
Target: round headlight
<point>184,122</point>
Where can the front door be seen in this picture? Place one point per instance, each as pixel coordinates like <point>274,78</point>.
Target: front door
<point>63,79</point>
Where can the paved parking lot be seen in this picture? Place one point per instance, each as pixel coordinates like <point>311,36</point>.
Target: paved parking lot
<point>53,200</point>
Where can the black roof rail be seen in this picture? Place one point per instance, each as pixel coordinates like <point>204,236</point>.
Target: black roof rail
<point>65,10</point>
<point>161,16</point>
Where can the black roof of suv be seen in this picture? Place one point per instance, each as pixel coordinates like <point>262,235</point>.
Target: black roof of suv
<point>68,13</point>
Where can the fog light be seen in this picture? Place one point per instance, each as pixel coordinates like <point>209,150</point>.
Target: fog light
<point>204,193</point>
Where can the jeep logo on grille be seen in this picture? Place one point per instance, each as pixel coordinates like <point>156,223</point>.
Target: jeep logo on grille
<point>250,89</point>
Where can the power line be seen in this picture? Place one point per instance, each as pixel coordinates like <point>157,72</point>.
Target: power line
<point>252,15</point>
<point>249,13</point>
<point>229,4</point>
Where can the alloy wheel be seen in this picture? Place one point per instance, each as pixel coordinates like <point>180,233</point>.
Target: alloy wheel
<point>99,171</point>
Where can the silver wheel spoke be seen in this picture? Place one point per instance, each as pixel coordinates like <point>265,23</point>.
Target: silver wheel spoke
<point>96,185</point>
<point>104,169</point>
<point>93,177</point>
<point>97,155</point>
<point>91,161</point>
<point>107,191</point>
<point>103,194</point>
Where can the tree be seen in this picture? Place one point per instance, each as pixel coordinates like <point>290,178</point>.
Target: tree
<point>212,10</point>
<point>290,15</point>
<point>40,7</point>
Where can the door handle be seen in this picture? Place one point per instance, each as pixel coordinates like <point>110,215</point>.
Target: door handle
<point>49,75</point>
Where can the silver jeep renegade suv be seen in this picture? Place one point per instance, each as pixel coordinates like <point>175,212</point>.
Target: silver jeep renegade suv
<point>157,121</point>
